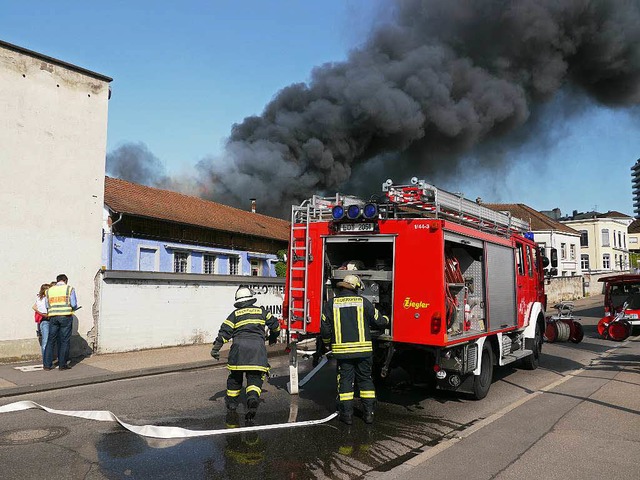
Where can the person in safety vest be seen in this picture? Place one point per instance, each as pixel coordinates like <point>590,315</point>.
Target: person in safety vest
<point>346,325</point>
<point>248,354</point>
<point>61,302</point>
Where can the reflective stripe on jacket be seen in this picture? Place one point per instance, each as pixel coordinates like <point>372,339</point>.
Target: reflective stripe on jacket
<point>346,324</point>
<point>246,326</point>
<point>59,298</point>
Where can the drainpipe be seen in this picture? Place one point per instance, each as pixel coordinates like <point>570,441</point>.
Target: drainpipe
<point>111,242</point>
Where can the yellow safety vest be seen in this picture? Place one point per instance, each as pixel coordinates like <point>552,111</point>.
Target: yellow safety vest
<point>59,297</point>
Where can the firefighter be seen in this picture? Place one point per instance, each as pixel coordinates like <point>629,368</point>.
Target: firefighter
<point>346,325</point>
<point>248,354</point>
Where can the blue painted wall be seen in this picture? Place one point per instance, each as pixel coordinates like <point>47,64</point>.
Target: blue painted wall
<point>126,255</point>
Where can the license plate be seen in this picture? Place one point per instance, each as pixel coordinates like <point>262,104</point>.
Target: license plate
<point>356,227</point>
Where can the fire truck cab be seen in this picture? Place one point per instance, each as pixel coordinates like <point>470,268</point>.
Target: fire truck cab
<point>462,284</point>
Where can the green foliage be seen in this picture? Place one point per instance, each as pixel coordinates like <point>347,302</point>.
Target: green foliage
<point>281,266</point>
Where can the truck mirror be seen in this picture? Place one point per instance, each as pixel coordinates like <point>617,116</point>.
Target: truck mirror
<point>554,257</point>
<point>545,262</point>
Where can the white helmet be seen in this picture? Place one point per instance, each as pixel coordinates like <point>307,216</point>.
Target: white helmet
<point>244,294</point>
<point>352,282</point>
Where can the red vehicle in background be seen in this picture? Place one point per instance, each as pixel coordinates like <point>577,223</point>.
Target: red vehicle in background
<point>462,284</point>
<point>621,306</point>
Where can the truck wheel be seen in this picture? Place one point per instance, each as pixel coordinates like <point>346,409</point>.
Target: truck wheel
<point>482,382</point>
<point>532,361</point>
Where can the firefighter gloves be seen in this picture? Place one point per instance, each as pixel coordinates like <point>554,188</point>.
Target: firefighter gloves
<point>215,351</point>
<point>273,337</point>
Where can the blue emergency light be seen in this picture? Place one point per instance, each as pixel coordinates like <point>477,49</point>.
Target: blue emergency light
<point>354,211</point>
<point>337,212</point>
<point>370,211</point>
<point>528,235</point>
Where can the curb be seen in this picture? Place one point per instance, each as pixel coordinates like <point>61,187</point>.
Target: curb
<point>112,377</point>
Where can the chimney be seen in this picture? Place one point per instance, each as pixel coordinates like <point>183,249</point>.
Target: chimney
<point>253,205</point>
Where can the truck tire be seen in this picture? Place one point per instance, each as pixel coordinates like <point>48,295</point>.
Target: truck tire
<point>482,382</point>
<point>532,361</point>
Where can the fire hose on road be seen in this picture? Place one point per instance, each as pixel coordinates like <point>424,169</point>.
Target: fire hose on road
<point>154,431</point>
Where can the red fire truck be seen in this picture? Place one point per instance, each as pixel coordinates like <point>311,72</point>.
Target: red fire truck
<point>462,284</point>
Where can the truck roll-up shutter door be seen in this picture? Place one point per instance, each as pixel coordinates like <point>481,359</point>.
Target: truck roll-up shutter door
<point>501,290</point>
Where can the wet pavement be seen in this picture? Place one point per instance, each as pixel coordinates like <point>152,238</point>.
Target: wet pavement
<point>412,424</point>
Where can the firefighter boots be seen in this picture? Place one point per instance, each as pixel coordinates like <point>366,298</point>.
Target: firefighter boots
<point>346,418</point>
<point>252,408</point>
<point>368,418</point>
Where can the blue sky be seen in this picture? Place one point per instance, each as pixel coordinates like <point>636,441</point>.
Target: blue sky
<point>184,72</point>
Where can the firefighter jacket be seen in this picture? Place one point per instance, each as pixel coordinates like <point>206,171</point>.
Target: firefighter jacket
<point>246,326</point>
<point>346,324</point>
<point>59,299</point>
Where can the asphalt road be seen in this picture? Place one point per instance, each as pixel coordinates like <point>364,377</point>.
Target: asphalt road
<point>36,444</point>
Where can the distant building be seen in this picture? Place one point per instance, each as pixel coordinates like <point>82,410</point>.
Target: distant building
<point>149,229</point>
<point>635,188</point>
<point>548,234</point>
<point>603,240</point>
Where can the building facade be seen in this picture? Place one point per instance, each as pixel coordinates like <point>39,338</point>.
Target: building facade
<point>604,245</point>
<point>635,188</point>
<point>549,234</point>
<point>155,230</point>
<point>53,132</point>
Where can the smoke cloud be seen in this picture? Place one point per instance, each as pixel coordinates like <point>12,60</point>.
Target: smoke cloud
<point>434,81</point>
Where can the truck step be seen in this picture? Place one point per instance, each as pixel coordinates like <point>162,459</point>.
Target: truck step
<point>517,355</point>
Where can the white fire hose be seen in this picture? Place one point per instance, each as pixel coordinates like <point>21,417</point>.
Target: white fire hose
<point>154,431</point>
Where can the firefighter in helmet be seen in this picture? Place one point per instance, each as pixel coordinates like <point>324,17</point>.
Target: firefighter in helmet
<point>248,354</point>
<point>346,325</point>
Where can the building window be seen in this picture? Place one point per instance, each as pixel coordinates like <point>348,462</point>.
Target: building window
<point>605,237</point>
<point>563,251</point>
<point>255,267</point>
<point>180,262</point>
<point>209,266</point>
<point>572,251</point>
<point>584,238</point>
<point>614,239</point>
<point>584,262</point>
<point>234,264</point>
<point>620,239</point>
<point>606,261</point>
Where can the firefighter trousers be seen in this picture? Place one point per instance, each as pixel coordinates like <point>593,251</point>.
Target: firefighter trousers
<point>234,386</point>
<point>354,372</point>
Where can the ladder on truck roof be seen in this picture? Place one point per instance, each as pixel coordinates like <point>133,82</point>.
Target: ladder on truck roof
<point>441,203</point>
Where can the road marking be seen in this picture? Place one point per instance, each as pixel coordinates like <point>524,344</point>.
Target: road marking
<point>29,368</point>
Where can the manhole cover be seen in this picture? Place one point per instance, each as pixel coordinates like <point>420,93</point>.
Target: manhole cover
<point>31,435</point>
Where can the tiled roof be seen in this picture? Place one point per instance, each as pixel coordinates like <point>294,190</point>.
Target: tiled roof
<point>134,199</point>
<point>613,214</point>
<point>634,227</point>
<point>539,221</point>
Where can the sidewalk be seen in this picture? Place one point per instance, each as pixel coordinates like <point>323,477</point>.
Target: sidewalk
<point>28,377</point>
<point>584,426</point>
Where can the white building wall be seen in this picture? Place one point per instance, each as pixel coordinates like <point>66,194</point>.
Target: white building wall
<point>141,310</point>
<point>53,129</point>
<point>569,266</point>
<point>596,249</point>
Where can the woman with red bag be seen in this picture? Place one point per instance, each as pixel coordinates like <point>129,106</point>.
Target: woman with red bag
<point>40,316</point>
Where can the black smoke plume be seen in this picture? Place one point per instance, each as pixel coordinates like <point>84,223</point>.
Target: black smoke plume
<point>435,80</point>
